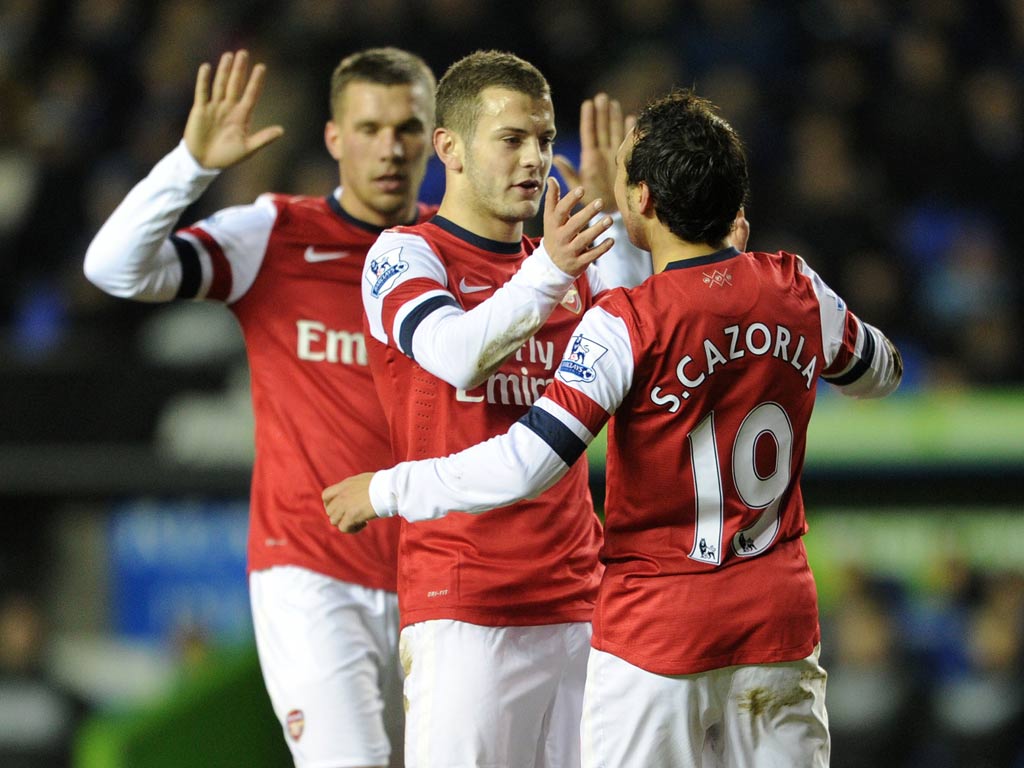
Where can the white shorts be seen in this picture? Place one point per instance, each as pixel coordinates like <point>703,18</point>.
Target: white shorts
<point>493,697</point>
<point>741,716</point>
<point>328,651</point>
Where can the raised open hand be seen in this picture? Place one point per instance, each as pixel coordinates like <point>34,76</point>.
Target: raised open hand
<point>217,132</point>
<point>602,129</point>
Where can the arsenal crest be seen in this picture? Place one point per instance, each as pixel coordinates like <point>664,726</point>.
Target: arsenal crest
<point>296,721</point>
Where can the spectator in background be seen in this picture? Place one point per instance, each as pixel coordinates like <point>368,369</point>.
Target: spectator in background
<point>324,608</point>
<point>39,717</point>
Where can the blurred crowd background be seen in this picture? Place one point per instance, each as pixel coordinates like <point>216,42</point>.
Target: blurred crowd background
<point>886,142</point>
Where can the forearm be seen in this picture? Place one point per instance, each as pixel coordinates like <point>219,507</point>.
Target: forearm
<point>131,256</point>
<point>495,473</point>
<point>876,371</point>
<point>465,347</point>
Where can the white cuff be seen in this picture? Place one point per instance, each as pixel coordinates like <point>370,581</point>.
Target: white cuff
<point>381,498</point>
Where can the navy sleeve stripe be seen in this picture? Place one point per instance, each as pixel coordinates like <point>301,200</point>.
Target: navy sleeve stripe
<point>559,437</point>
<point>412,322</point>
<point>858,369</point>
<point>191,272</point>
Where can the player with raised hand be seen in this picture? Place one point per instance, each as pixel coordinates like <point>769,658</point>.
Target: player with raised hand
<point>465,315</point>
<point>289,268</point>
<point>706,637</point>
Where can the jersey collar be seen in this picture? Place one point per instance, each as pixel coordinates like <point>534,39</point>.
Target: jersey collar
<point>335,205</point>
<point>712,258</point>
<point>485,243</point>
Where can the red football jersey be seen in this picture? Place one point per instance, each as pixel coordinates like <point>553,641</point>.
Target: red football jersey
<point>317,416</point>
<point>534,562</point>
<point>705,566</point>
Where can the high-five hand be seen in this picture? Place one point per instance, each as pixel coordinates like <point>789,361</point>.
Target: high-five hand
<point>602,129</point>
<point>217,132</point>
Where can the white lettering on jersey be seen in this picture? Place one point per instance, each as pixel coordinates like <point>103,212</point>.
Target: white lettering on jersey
<point>534,351</point>
<point>519,388</point>
<point>756,338</point>
<point>318,343</point>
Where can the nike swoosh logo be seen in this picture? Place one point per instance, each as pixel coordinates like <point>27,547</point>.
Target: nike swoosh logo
<point>467,288</point>
<point>313,256</point>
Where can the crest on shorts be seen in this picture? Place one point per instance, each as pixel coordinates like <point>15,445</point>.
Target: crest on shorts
<point>296,722</point>
<point>382,272</point>
<point>578,363</point>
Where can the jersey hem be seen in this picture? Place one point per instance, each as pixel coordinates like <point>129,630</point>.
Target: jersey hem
<point>265,563</point>
<point>694,666</point>
<point>486,618</point>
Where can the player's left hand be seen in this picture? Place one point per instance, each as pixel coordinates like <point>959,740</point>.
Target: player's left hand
<point>602,129</point>
<point>569,237</point>
<point>348,503</point>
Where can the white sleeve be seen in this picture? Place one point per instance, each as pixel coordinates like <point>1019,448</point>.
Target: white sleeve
<point>623,266</point>
<point>875,368</point>
<point>515,465</point>
<point>130,256</point>
<point>535,452</point>
<point>460,347</point>
<point>134,255</point>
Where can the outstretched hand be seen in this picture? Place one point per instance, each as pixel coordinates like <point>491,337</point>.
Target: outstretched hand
<point>568,239</point>
<point>217,132</point>
<point>348,503</point>
<point>602,129</point>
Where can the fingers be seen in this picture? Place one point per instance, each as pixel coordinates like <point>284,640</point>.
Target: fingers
<point>202,84</point>
<point>239,72</point>
<point>220,79</point>
<point>254,86</point>
<point>551,198</point>
<point>231,81</point>
<point>601,120</point>
<point>587,130</point>
<point>592,254</point>
<point>616,126</point>
<point>589,234</point>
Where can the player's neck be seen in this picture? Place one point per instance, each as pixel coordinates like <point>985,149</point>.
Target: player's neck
<point>666,250</point>
<point>480,223</point>
<point>359,211</point>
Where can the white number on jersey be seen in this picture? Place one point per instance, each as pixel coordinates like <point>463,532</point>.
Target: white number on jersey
<point>766,421</point>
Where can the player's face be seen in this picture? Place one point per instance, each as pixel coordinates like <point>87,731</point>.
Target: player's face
<point>381,140</point>
<point>509,155</point>
<point>625,196</point>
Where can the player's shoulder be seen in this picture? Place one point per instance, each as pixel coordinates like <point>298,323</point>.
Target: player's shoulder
<point>295,205</point>
<point>425,212</point>
<point>783,261</point>
<point>627,304</point>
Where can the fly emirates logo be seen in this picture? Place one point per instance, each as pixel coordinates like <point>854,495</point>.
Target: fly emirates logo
<point>511,386</point>
<point>320,344</point>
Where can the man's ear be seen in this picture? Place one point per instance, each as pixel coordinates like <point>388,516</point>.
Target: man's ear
<point>332,139</point>
<point>644,201</point>
<point>449,148</point>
